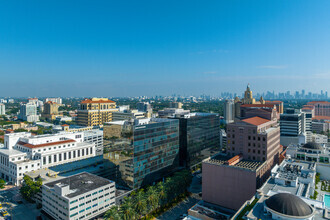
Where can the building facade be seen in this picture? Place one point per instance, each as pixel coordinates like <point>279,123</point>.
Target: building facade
<point>95,111</point>
<point>144,151</point>
<point>81,196</point>
<point>229,113</point>
<point>199,137</point>
<point>56,100</point>
<point>50,110</point>
<point>23,152</point>
<point>322,108</point>
<point>295,127</point>
<point>2,109</point>
<point>28,112</point>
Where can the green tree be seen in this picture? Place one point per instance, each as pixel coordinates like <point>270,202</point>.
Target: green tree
<point>113,213</point>
<point>152,198</point>
<point>30,188</point>
<point>140,203</point>
<point>127,209</point>
<point>162,193</point>
<point>2,183</point>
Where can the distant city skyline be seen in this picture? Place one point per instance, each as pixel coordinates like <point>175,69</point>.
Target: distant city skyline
<point>130,48</point>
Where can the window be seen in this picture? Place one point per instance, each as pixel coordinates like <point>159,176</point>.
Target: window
<point>73,208</point>
<point>73,201</point>
<point>249,137</point>
<point>74,154</point>
<point>78,153</point>
<point>55,158</point>
<point>69,155</point>
<point>81,198</point>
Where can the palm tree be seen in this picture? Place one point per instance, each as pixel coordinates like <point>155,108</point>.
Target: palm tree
<point>170,186</point>
<point>140,203</point>
<point>162,193</point>
<point>152,198</point>
<point>127,209</point>
<point>112,213</point>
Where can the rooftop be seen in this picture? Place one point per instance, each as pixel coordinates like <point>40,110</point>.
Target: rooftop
<point>229,161</point>
<point>96,100</point>
<point>80,183</point>
<point>255,120</point>
<point>46,144</point>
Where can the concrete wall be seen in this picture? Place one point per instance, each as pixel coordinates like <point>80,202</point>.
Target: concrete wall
<point>323,169</point>
<point>227,186</point>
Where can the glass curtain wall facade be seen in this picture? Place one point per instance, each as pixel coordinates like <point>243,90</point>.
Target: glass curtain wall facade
<point>199,137</point>
<point>145,152</point>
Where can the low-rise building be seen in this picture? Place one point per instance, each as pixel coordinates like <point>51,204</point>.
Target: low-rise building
<point>23,152</point>
<point>81,196</point>
<point>171,112</point>
<point>311,151</point>
<point>286,194</point>
<point>229,182</point>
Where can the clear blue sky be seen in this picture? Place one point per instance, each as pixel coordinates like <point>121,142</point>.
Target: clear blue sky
<point>187,47</point>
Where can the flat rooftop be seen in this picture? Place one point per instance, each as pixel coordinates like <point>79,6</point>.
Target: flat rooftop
<point>244,164</point>
<point>80,183</point>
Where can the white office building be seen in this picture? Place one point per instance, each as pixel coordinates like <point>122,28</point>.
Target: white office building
<point>127,115</point>
<point>57,100</point>
<point>23,152</point>
<point>95,136</point>
<point>2,109</point>
<point>229,113</point>
<point>81,196</point>
<point>295,128</point>
<point>172,112</point>
<point>28,112</point>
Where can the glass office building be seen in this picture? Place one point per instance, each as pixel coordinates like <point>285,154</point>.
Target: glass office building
<point>199,137</point>
<point>143,150</point>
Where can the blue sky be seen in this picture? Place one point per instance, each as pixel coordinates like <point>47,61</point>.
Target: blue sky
<point>187,47</point>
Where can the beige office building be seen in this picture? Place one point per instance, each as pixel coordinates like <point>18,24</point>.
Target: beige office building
<point>95,111</point>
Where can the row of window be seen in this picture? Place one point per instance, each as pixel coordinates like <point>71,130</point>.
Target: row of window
<point>67,155</point>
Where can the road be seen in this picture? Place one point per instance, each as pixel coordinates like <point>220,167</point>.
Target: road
<point>183,207</point>
<point>24,211</point>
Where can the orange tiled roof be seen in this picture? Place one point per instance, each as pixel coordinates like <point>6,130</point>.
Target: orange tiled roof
<point>87,101</point>
<point>65,125</point>
<point>44,145</point>
<point>314,102</point>
<point>255,120</point>
<point>275,101</point>
<point>321,117</point>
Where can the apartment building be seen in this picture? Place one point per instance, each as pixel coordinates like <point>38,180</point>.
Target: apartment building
<point>81,196</point>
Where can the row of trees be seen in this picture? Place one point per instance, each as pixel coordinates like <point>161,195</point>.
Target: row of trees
<point>145,201</point>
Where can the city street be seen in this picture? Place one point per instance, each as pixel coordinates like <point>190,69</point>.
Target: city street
<point>183,207</point>
<point>24,211</point>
